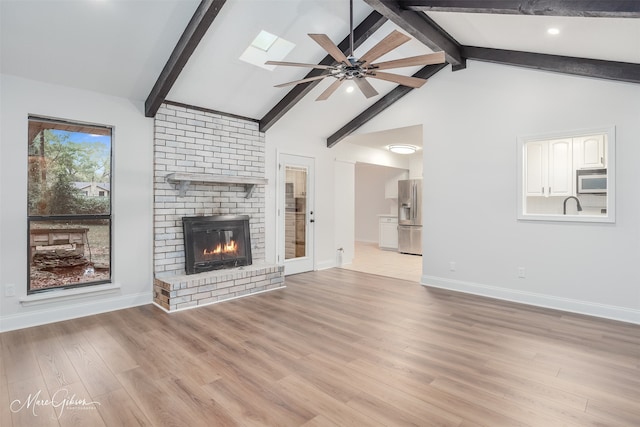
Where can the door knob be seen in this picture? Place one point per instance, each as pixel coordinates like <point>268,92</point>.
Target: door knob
<point>312,220</point>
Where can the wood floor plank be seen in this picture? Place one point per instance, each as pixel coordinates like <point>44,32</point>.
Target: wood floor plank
<point>110,351</point>
<point>75,408</point>
<point>5,412</point>
<point>320,421</point>
<point>249,404</point>
<point>319,402</point>
<point>57,370</point>
<point>334,348</point>
<point>117,408</point>
<point>29,403</point>
<point>196,399</point>
<point>91,369</point>
<point>20,362</point>
<point>153,402</point>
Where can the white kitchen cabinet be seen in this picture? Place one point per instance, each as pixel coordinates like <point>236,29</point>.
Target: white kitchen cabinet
<point>388,232</point>
<point>549,167</point>
<point>589,152</point>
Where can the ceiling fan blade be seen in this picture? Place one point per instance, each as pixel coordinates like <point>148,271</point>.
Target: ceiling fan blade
<point>386,45</point>
<point>300,64</point>
<point>365,87</point>
<point>308,79</point>
<point>413,82</point>
<point>428,59</point>
<point>329,91</point>
<point>331,48</point>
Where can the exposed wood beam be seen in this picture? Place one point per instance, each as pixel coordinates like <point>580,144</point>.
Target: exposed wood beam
<point>591,8</point>
<point>422,28</point>
<point>384,103</point>
<point>362,32</point>
<point>610,70</point>
<point>196,29</point>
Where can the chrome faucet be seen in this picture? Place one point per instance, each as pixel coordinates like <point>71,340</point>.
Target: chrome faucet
<point>564,205</point>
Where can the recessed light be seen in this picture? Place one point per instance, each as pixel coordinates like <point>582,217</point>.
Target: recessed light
<point>349,89</point>
<point>402,149</point>
<point>553,31</point>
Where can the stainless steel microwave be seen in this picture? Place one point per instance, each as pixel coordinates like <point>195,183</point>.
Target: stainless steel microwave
<point>591,181</point>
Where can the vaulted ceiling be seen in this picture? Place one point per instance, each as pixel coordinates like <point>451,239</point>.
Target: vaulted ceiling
<point>187,51</point>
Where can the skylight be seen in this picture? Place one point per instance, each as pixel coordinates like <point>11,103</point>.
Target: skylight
<point>264,41</point>
<point>266,47</point>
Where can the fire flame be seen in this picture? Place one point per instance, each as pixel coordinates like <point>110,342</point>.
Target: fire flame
<point>227,248</point>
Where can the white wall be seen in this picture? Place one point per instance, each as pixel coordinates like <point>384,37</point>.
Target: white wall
<point>132,198</point>
<point>294,134</point>
<point>370,201</point>
<point>473,118</point>
<point>344,211</point>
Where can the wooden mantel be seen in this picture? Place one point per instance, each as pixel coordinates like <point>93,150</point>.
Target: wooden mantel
<point>183,179</point>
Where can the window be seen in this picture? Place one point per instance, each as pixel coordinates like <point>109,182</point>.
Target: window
<point>567,176</point>
<point>69,231</point>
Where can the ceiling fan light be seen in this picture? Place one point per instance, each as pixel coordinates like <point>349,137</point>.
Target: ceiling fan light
<point>402,149</point>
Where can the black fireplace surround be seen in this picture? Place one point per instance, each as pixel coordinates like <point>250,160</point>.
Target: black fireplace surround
<point>216,242</point>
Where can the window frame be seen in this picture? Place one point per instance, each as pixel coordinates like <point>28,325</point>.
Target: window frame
<point>521,159</point>
<point>108,216</point>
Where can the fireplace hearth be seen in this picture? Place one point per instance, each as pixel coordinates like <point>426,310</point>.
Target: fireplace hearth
<point>216,242</point>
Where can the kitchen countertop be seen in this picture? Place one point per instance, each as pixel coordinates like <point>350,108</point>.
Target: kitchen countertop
<point>389,215</point>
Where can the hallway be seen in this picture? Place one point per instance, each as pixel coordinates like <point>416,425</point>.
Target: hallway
<point>369,258</point>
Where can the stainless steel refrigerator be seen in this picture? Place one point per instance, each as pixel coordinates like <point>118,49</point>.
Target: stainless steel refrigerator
<point>410,216</point>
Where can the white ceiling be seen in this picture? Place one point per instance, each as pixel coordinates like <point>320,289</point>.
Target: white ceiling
<point>113,47</point>
<point>613,39</point>
<point>409,135</point>
<point>119,47</point>
<point>225,83</point>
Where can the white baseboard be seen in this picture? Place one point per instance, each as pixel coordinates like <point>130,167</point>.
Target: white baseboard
<point>72,311</point>
<point>622,314</point>
<point>324,265</point>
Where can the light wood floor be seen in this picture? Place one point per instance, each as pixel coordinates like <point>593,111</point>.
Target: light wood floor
<point>369,258</point>
<point>335,348</point>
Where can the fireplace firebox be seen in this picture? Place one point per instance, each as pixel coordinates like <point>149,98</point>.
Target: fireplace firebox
<point>216,242</point>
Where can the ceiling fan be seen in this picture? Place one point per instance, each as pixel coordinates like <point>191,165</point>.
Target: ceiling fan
<point>358,69</point>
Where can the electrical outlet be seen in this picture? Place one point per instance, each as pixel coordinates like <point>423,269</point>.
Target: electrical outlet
<point>10,290</point>
<point>452,266</point>
<point>521,272</point>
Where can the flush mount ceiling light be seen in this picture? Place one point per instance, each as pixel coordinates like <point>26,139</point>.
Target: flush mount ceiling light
<point>553,31</point>
<point>402,149</point>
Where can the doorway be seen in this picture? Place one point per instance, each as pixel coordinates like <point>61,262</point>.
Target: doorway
<point>296,213</point>
<point>375,228</point>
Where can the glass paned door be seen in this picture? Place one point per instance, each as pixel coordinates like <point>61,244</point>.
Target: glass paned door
<point>296,213</point>
<point>295,216</point>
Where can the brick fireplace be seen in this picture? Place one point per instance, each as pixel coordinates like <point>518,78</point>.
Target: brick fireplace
<point>207,164</point>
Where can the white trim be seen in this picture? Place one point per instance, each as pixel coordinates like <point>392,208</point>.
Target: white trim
<point>622,314</point>
<point>215,302</point>
<point>80,309</point>
<point>67,294</point>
